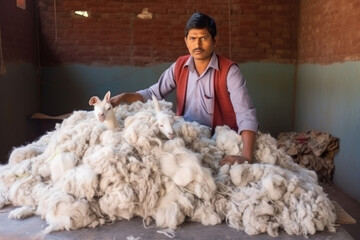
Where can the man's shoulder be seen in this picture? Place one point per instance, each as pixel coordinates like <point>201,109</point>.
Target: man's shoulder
<point>225,63</point>
<point>183,58</point>
<point>180,62</point>
<point>180,66</point>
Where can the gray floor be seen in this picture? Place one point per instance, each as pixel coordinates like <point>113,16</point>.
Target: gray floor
<point>30,228</point>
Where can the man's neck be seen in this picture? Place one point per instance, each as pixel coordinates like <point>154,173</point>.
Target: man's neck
<point>201,65</point>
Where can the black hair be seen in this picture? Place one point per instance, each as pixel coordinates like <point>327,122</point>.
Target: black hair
<point>198,21</point>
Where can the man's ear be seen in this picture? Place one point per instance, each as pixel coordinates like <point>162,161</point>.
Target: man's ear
<point>216,40</point>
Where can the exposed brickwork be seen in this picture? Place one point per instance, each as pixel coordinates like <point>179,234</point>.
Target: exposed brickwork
<point>258,30</point>
<point>329,31</point>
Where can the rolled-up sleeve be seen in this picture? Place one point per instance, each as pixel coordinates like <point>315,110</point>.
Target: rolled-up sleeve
<point>243,106</point>
<point>163,87</point>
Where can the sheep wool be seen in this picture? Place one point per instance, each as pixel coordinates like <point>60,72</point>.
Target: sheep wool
<point>157,166</point>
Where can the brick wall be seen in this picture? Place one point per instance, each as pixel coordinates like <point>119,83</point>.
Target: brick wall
<point>258,30</point>
<point>329,31</point>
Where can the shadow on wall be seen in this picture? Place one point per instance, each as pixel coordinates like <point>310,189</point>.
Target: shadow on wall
<point>19,96</point>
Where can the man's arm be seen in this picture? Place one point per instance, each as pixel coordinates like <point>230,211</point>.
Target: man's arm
<point>245,116</point>
<point>248,138</point>
<point>127,97</point>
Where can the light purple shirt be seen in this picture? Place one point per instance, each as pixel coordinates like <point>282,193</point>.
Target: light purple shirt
<point>200,94</point>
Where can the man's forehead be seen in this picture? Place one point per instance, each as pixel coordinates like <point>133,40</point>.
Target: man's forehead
<point>196,31</point>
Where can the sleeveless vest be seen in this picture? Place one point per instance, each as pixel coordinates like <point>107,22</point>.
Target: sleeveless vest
<point>223,113</point>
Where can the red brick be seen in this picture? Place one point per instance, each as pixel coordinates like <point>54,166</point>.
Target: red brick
<point>114,24</point>
<point>326,30</point>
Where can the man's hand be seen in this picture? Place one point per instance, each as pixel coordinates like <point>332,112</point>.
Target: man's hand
<point>126,97</point>
<point>116,100</point>
<point>231,159</point>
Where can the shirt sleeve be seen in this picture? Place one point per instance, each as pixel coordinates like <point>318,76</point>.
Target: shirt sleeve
<point>243,106</point>
<point>165,85</point>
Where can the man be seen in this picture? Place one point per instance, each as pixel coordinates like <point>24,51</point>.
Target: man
<point>209,89</point>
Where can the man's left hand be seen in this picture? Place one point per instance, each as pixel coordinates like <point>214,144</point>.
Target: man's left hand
<point>231,159</point>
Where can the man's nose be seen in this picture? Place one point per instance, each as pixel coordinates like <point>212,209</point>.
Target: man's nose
<point>198,43</point>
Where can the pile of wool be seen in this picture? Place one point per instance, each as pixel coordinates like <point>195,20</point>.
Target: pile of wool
<point>104,176</point>
<point>313,150</point>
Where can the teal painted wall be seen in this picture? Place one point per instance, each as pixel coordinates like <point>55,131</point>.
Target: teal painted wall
<point>328,100</point>
<point>19,99</point>
<point>69,87</point>
<point>271,86</point>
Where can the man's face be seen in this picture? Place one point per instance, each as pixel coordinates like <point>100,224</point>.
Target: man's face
<point>200,44</point>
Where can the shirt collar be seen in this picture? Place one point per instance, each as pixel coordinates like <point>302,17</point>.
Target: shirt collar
<point>214,63</point>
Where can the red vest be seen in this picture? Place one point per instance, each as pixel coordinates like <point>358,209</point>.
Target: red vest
<point>224,113</point>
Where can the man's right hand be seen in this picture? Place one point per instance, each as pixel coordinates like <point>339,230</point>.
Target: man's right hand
<point>127,97</point>
<point>231,159</point>
<point>116,100</point>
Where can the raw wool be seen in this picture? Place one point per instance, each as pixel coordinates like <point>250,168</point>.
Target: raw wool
<point>313,150</point>
<point>125,180</point>
<point>131,237</point>
<point>143,128</point>
<point>102,158</point>
<point>116,177</point>
<point>141,131</point>
<point>228,140</point>
<point>129,188</point>
<point>118,202</point>
<point>62,211</point>
<point>60,163</point>
<point>210,153</point>
<point>147,184</point>
<point>190,132</point>
<point>25,152</point>
<point>183,166</point>
<point>205,212</point>
<point>14,177</point>
<point>267,197</point>
<point>30,150</point>
<point>81,182</point>
<point>22,212</point>
<point>111,184</point>
<point>68,145</point>
<point>126,110</point>
<point>198,138</point>
<point>20,193</point>
<point>173,206</point>
<point>266,151</point>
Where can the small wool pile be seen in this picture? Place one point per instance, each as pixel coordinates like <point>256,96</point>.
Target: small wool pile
<point>313,150</point>
<point>83,175</point>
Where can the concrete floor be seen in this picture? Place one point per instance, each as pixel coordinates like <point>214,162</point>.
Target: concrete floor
<point>130,230</point>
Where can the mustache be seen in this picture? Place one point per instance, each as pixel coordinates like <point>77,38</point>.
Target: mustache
<point>198,49</point>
